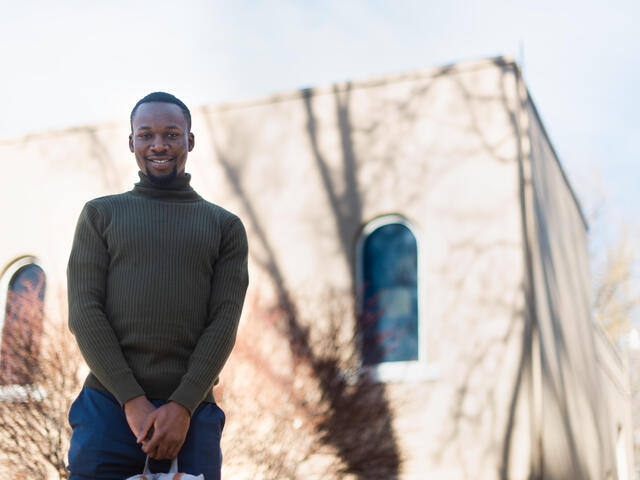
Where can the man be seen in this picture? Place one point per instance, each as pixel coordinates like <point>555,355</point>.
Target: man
<point>156,282</point>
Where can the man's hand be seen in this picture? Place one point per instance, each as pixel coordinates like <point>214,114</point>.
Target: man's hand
<point>164,431</point>
<point>137,410</point>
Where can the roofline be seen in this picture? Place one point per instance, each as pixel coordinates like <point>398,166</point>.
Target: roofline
<point>76,129</point>
<point>341,86</point>
<point>332,88</point>
<point>555,153</point>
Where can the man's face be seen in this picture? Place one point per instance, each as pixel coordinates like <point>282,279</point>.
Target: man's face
<point>160,140</point>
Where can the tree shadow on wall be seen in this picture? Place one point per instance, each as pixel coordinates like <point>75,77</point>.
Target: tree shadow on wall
<point>353,418</point>
<point>555,395</point>
<point>357,421</point>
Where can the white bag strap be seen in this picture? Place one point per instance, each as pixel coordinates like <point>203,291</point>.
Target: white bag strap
<point>173,469</point>
<point>146,470</point>
<point>174,466</point>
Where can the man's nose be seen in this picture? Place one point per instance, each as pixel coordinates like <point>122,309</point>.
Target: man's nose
<point>158,145</point>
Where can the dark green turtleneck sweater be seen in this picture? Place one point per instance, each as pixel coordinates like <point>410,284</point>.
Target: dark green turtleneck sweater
<point>156,281</point>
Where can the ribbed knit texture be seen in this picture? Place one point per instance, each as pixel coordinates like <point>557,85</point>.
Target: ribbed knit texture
<point>156,282</point>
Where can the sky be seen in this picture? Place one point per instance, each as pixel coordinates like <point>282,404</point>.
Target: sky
<point>69,62</point>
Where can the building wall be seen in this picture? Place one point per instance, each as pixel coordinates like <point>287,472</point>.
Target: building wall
<point>48,179</point>
<point>306,171</point>
<point>583,397</point>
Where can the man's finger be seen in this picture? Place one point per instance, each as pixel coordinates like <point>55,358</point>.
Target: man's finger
<point>154,454</point>
<point>146,428</point>
<point>174,452</point>
<point>169,449</point>
<point>153,444</point>
<point>171,452</point>
<point>150,447</point>
<point>164,453</point>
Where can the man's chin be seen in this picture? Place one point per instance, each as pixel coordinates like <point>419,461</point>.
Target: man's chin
<point>163,180</point>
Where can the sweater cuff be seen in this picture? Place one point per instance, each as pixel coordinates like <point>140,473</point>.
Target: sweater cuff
<point>126,388</point>
<point>188,395</point>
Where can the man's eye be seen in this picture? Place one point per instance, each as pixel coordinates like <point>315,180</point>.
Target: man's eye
<point>144,135</point>
<point>173,135</point>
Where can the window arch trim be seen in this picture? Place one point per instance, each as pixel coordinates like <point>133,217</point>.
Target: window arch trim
<point>16,392</point>
<point>399,371</point>
<point>7,275</point>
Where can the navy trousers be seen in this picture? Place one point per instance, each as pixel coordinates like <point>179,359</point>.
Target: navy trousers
<point>103,446</point>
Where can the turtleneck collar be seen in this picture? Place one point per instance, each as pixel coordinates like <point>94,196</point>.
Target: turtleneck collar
<point>178,190</point>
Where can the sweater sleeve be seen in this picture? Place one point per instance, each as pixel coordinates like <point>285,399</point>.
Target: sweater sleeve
<point>86,286</point>
<point>228,288</point>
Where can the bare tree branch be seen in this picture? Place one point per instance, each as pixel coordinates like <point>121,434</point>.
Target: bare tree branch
<point>40,377</point>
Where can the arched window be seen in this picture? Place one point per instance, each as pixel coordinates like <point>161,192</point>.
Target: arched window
<point>23,288</point>
<point>387,278</point>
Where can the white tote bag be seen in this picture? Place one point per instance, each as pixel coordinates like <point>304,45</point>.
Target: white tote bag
<point>172,475</point>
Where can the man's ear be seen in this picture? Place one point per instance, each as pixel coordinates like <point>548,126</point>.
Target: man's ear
<point>131,142</point>
<point>192,141</point>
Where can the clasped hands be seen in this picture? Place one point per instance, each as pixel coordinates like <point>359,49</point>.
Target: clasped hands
<point>161,430</point>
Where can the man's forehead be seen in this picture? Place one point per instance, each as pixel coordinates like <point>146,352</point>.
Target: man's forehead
<point>168,114</point>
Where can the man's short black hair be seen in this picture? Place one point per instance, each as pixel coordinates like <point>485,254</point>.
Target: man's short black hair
<point>164,98</point>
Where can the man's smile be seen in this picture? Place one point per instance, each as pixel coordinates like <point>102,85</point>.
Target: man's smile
<point>159,161</point>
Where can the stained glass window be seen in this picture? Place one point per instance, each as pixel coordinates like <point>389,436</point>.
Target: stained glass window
<point>24,312</point>
<point>389,309</point>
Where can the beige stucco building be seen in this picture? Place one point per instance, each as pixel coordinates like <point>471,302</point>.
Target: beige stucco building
<point>503,373</point>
